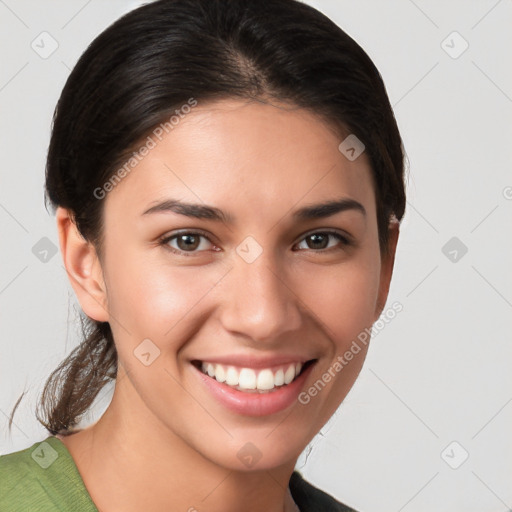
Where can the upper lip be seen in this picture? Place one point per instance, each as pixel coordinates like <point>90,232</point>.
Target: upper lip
<point>251,361</point>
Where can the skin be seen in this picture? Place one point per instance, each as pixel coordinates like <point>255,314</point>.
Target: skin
<point>164,443</point>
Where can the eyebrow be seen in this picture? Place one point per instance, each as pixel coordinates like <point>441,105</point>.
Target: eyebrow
<point>200,211</point>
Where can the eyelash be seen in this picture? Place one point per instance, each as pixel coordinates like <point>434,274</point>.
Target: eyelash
<point>345,241</point>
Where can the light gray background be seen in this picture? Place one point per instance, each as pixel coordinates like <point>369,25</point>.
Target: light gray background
<point>440,371</point>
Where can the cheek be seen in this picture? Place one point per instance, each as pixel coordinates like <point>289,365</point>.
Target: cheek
<point>151,299</point>
<point>343,298</point>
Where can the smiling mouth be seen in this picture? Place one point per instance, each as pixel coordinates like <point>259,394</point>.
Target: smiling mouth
<point>250,380</point>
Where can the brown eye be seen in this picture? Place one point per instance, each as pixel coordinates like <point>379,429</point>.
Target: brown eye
<point>187,243</point>
<point>320,240</point>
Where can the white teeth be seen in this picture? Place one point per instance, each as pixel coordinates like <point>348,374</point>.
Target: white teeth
<point>289,374</point>
<point>232,377</point>
<point>249,379</point>
<point>279,377</point>
<point>220,373</point>
<point>265,380</point>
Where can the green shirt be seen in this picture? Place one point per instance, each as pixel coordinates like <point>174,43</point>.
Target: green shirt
<point>44,478</point>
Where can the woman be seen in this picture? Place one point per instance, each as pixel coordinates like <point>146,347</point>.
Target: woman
<point>228,183</point>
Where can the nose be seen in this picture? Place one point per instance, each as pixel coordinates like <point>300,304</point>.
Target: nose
<point>259,301</point>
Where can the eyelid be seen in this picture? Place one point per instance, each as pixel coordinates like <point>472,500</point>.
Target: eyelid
<point>184,231</point>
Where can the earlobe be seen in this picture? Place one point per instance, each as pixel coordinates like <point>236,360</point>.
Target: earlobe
<point>387,265</point>
<point>82,267</point>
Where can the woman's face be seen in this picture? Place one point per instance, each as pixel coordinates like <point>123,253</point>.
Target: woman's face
<point>249,284</point>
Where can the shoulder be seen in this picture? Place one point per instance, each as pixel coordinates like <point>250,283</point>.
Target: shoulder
<point>311,499</point>
<point>42,478</point>
<point>19,482</point>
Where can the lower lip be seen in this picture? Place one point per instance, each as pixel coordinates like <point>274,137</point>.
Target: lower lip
<point>254,403</point>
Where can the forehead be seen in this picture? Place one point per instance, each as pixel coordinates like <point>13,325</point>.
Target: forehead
<point>244,157</point>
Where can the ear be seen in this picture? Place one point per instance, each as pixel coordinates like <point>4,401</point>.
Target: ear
<point>83,268</point>
<point>386,269</point>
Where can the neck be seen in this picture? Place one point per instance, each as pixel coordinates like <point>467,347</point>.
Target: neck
<point>130,461</point>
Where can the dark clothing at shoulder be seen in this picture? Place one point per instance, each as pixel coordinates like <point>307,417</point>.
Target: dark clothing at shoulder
<point>310,499</point>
